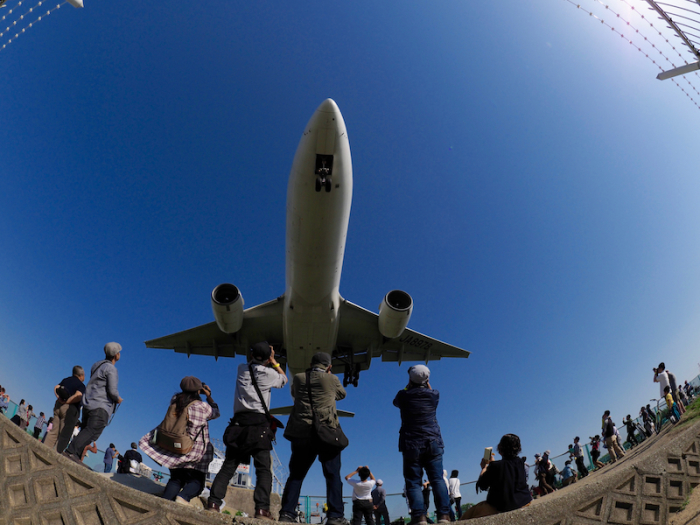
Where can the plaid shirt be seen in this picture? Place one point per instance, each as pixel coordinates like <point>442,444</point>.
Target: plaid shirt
<point>202,453</point>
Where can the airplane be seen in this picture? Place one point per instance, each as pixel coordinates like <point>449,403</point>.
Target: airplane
<point>311,315</point>
<point>2,3</point>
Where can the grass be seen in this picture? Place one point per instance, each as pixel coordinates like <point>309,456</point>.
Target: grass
<point>692,412</point>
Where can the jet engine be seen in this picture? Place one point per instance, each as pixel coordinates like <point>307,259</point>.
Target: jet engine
<point>227,304</point>
<point>394,313</point>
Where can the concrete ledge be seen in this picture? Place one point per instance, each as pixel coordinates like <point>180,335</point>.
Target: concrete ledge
<point>645,487</point>
<point>40,487</point>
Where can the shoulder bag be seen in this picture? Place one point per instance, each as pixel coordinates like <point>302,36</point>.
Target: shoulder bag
<point>332,437</point>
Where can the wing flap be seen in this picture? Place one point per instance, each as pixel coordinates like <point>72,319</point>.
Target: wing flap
<point>260,323</point>
<point>359,341</point>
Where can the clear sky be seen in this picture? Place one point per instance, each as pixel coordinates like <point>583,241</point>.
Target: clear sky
<point>517,169</point>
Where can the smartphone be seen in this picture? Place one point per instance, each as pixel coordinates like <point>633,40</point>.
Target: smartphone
<point>487,453</point>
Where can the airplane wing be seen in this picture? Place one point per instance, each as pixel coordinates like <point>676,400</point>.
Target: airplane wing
<point>359,341</point>
<point>285,411</point>
<point>260,323</point>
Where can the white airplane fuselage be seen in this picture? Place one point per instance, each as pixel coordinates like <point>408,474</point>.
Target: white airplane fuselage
<point>317,226</point>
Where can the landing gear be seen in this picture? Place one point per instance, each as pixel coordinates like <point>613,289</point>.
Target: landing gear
<point>324,182</point>
<point>352,375</point>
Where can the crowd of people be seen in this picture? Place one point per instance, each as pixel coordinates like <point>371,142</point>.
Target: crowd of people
<point>675,397</point>
<point>181,441</point>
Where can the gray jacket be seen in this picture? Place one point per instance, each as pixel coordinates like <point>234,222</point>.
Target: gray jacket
<point>101,391</point>
<point>325,391</point>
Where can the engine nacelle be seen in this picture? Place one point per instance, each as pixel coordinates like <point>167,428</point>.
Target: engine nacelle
<point>227,304</point>
<point>394,313</point>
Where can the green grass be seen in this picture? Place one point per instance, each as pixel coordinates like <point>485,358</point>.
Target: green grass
<point>692,412</point>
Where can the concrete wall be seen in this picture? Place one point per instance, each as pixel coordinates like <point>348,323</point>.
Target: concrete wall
<point>649,484</point>
<point>40,487</point>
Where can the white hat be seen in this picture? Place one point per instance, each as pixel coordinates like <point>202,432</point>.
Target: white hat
<point>419,374</point>
<point>380,482</point>
<point>112,349</point>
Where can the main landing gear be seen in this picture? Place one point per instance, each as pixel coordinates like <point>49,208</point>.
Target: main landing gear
<point>352,375</point>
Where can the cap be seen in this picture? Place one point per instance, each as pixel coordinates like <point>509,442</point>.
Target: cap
<point>321,358</point>
<point>548,452</point>
<point>190,384</point>
<point>112,349</point>
<point>380,482</point>
<point>261,351</point>
<point>419,374</point>
<point>134,445</point>
<point>537,456</point>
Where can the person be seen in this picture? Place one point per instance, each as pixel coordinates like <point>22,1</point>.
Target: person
<point>100,400</point>
<point>28,415</point>
<point>362,495</point>
<point>542,473</point>
<point>132,455</point>
<point>306,446</point>
<point>661,377</point>
<point>109,457</point>
<point>567,475</point>
<point>379,504</point>
<point>250,413</point>
<point>39,425</point>
<point>20,414</point>
<point>504,480</point>
<point>674,391</point>
<point>631,427</point>
<point>611,439</point>
<point>420,442</point>
<point>647,420</point>
<point>66,410</point>
<point>595,452</point>
<point>49,427</point>
<point>426,496</point>
<point>578,457</point>
<point>455,494</point>
<point>671,404</point>
<point>187,471</point>
<point>88,448</point>
<point>5,400</point>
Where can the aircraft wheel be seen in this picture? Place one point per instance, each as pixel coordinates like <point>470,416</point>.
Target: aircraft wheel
<point>329,184</point>
<point>355,381</point>
<point>346,379</point>
<point>318,184</point>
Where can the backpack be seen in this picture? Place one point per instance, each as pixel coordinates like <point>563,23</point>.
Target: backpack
<point>172,435</point>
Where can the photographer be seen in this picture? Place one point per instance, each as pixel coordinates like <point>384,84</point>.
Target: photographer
<point>66,411</point>
<point>187,471</point>
<point>504,479</point>
<point>420,442</point>
<point>250,423</point>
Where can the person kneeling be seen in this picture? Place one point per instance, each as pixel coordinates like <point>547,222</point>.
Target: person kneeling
<point>504,479</point>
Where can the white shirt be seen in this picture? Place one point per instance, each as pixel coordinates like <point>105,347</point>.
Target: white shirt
<point>453,484</point>
<point>662,378</point>
<point>362,489</point>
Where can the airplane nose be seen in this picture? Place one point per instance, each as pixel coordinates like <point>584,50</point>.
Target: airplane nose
<point>328,106</point>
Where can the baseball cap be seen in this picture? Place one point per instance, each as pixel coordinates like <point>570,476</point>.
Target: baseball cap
<point>419,374</point>
<point>261,351</point>
<point>112,349</point>
<point>321,358</point>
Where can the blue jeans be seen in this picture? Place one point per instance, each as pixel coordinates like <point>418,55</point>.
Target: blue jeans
<point>304,454</point>
<point>187,483</point>
<point>414,462</point>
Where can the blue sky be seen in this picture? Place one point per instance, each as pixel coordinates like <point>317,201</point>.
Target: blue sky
<point>519,171</point>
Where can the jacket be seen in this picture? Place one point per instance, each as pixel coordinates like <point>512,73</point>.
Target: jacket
<point>419,425</point>
<point>325,391</point>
